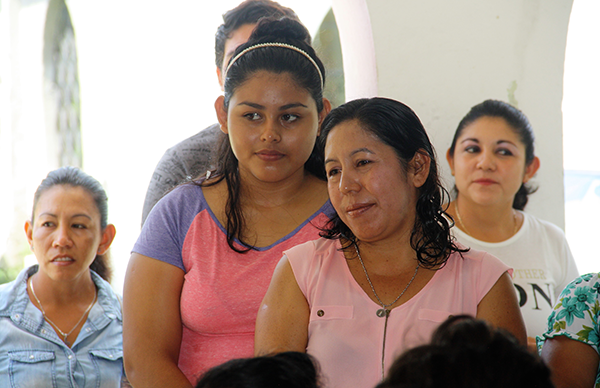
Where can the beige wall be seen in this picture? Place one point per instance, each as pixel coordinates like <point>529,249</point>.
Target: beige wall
<point>442,57</point>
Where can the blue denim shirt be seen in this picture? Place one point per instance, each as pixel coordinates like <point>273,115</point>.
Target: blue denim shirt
<point>32,354</point>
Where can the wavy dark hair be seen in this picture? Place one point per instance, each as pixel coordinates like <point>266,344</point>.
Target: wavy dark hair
<point>287,369</point>
<point>276,60</point>
<point>520,125</point>
<point>247,12</point>
<point>72,176</point>
<point>468,352</point>
<point>397,126</point>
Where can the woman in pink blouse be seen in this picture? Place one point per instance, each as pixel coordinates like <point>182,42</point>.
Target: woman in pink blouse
<point>386,272</point>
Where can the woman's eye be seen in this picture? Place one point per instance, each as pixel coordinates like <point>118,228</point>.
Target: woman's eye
<point>79,226</point>
<point>472,149</point>
<point>47,224</point>
<point>505,152</point>
<point>332,172</point>
<point>252,116</point>
<point>362,162</point>
<point>288,117</point>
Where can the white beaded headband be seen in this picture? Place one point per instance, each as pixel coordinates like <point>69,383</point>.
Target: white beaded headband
<point>274,44</point>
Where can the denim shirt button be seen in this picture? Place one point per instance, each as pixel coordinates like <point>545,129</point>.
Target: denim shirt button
<point>88,329</point>
<point>43,331</point>
<point>17,317</point>
<point>31,357</point>
<point>70,356</point>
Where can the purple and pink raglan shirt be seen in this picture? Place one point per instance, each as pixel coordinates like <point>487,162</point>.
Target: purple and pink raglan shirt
<point>223,289</point>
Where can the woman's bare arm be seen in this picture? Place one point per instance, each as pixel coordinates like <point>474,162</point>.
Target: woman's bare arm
<point>282,321</point>
<point>573,363</point>
<point>501,308</point>
<point>152,323</point>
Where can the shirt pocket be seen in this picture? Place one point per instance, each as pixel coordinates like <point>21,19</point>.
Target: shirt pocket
<point>434,316</point>
<point>423,327</point>
<point>325,313</point>
<point>108,366</point>
<point>32,368</point>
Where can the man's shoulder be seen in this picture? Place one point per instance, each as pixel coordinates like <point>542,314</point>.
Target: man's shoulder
<point>207,137</point>
<point>186,160</point>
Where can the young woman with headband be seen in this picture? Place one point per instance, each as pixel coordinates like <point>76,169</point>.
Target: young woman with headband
<point>207,251</point>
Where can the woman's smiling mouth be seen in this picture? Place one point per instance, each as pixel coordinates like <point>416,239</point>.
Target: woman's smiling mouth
<point>358,209</point>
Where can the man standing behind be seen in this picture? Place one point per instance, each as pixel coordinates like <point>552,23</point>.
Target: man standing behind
<point>195,155</point>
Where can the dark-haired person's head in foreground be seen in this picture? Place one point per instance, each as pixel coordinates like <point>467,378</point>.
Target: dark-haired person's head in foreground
<point>289,370</point>
<point>468,353</point>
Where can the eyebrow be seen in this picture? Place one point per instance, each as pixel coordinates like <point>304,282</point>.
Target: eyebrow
<point>281,108</point>
<point>292,105</point>
<point>356,151</point>
<point>55,216</point>
<point>497,143</point>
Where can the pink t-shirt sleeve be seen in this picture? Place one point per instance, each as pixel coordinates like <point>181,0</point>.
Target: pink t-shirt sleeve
<point>304,264</point>
<point>489,269</point>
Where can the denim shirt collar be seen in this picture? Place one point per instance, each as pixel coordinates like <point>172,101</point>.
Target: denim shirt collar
<point>14,302</point>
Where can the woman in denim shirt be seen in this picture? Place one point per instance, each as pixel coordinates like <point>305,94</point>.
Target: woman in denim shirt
<point>60,321</point>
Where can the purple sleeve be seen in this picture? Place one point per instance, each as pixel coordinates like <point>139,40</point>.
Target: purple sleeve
<point>167,225</point>
<point>328,209</point>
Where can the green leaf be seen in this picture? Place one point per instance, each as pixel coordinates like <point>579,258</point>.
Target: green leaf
<point>559,325</point>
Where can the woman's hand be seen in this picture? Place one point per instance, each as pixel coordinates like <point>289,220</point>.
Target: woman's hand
<point>152,323</point>
<point>282,320</point>
<point>501,308</point>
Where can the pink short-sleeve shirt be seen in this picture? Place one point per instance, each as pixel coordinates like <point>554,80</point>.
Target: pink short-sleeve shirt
<point>345,333</point>
<point>222,289</point>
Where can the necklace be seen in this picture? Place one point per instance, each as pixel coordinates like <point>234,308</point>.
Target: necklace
<point>464,228</point>
<point>64,335</point>
<point>383,312</point>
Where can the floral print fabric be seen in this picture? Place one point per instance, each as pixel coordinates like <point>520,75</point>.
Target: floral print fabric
<point>576,314</point>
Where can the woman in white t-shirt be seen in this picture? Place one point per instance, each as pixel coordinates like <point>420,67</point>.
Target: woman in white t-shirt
<point>492,160</point>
